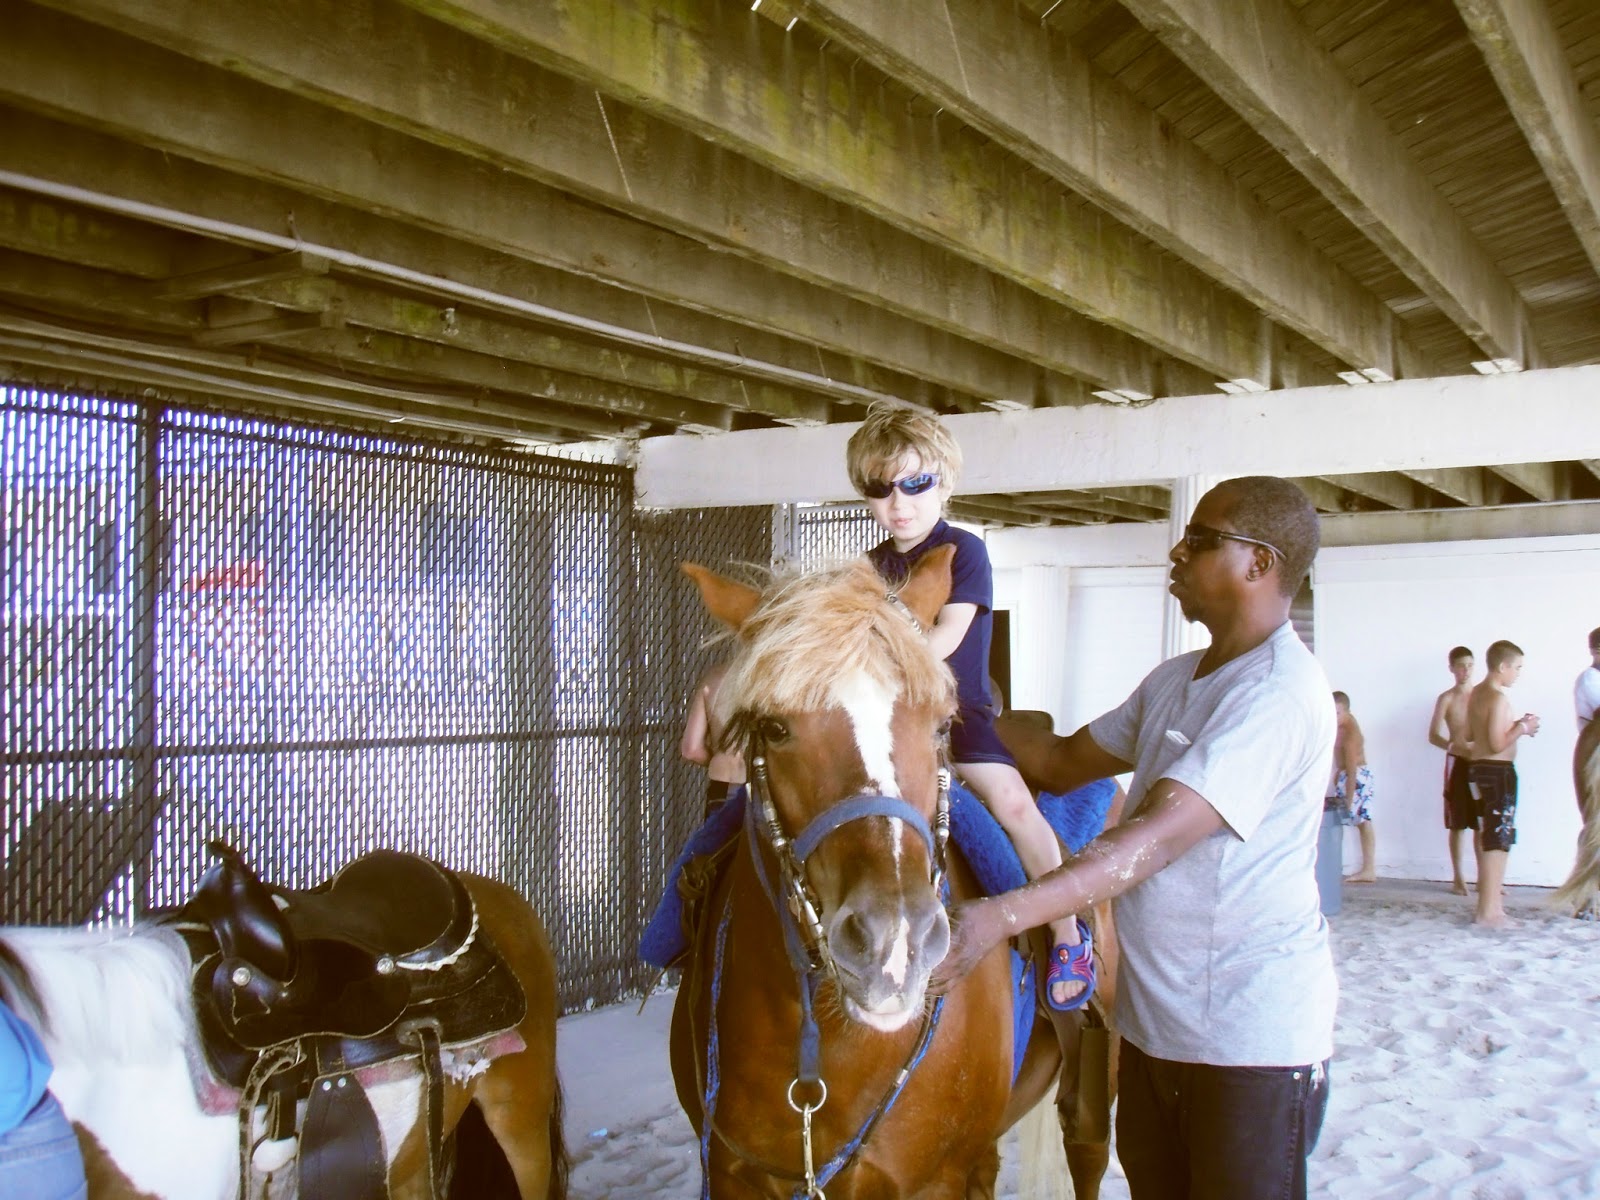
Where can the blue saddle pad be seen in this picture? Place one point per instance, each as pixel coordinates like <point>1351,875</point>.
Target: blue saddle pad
<point>1077,817</point>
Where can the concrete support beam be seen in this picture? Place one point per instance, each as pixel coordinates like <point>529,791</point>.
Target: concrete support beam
<point>1259,58</point>
<point>1465,485</point>
<point>1392,490</point>
<point>1032,92</point>
<point>267,329</point>
<point>1520,42</point>
<point>1417,424</point>
<point>1541,480</point>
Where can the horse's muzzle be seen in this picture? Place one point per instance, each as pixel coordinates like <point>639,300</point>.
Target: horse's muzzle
<point>884,947</point>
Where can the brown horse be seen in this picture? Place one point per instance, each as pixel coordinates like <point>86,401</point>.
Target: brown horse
<point>1580,894</point>
<point>114,1010</point>
<point>805,1047</point>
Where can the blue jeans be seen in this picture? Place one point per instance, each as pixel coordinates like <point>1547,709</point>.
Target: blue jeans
<point>1189,1131</point>
<point>40,1160</point>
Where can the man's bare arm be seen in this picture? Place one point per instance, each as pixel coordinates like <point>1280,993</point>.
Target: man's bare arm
<point>1057,764</point>
<point>1170,821</point>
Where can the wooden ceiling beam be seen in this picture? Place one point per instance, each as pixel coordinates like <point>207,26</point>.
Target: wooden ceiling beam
<point>1028,90</point>
<point>120,245</point>
<point>480,176</point>
<point>1523,48</point>
<point>104,299</point>
<point>1260,59</point>
<point>404,316</point>
<point>429,361</point>
<point>218,281</point>
<point>738,83</point>
<point>40,226</point>
<point>215,373</point>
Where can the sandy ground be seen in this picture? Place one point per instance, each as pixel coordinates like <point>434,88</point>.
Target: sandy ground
<point>1467,1066</point>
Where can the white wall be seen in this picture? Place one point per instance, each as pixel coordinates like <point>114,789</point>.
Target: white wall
<point>1386,617</point>
<point>1086,623</point>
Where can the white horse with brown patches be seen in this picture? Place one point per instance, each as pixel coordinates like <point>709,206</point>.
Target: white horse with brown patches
<point>113,1008</point>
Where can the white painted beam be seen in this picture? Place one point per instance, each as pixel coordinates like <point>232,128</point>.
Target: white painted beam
<point>1147,545</point>
<point>1419,424</point>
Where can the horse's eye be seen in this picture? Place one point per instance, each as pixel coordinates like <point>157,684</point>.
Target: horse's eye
<point>944,727</point>
<point>771,730</point>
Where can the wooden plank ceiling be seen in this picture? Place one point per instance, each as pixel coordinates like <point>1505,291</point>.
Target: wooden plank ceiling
<point>530,223</point>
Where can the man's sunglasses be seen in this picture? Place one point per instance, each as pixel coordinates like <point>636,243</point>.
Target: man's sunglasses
<point>1202,539</point>
<point>911,485</point>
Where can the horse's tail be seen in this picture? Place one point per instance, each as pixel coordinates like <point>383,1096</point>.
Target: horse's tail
<point>1582,887</point>
<point>560,1160</point>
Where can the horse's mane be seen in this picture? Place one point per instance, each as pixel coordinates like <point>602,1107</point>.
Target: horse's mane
<point>99,994</point>
<point>812,628</point>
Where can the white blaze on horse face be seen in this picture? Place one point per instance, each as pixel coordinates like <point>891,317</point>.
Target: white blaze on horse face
<point>870,707</point>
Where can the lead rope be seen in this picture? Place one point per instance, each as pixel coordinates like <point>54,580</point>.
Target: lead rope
<point>713,1069</point>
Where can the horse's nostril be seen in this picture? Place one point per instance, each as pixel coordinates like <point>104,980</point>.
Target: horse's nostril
<point>853,937</point>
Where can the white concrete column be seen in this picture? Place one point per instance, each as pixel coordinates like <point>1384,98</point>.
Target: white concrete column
<point>1179,636</point>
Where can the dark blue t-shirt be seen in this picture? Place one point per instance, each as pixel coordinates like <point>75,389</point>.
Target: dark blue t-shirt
<point>971,582</point>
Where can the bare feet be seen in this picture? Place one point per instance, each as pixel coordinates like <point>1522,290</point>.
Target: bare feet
<point>1493,921</point>
<point>1361,879</point>
<point>1459,887</point>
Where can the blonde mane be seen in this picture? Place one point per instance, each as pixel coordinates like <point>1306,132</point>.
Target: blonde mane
<point>813,628</point>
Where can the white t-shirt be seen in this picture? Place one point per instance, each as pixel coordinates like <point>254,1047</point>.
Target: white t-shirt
<point>1225,955</point>
<point>1586,693</point>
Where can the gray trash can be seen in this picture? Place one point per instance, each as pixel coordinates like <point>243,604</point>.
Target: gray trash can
<point>1330,862</point>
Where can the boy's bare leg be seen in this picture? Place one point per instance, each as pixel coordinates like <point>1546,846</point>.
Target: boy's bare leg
<point>1491,911</point>
<point>1369,855</point>
<point>1458,849</point>
<point>1002,789</point>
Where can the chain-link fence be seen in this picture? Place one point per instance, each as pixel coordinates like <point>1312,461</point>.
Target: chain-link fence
<point>312,642</point>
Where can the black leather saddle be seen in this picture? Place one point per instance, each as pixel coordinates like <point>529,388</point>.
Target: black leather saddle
<point>295,989</point>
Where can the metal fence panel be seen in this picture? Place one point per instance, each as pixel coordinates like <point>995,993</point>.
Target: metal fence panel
<point>314,641</point>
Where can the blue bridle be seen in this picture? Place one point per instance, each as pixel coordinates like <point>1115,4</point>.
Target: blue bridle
<point>807,950</point>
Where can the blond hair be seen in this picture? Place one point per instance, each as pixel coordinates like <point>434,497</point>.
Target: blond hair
<point>889,433</point>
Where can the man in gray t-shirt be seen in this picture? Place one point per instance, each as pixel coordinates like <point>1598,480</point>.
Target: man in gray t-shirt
<point>1226,993</point>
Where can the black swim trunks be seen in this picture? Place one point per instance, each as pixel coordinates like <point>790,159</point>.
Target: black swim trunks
<point>1460,810</point>
<point>1494,784</point>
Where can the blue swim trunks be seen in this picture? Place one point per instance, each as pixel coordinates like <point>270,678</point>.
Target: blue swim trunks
<point>1360,812</point>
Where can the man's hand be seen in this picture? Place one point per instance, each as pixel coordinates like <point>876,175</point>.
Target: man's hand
<point>976,928</point>
<point>1530,723</point>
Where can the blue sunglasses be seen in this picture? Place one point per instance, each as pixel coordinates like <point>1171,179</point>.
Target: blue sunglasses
<point>911,485</point>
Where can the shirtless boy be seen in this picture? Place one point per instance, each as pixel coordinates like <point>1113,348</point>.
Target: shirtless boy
<point>1352,784</point>
<point>1494,733</point>
<point>1448,731</point>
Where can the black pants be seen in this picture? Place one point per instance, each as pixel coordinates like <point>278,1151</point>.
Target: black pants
<point>1187,1131</point>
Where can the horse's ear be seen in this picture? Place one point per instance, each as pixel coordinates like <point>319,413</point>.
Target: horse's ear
<point>929,586</point>
<point>727,601</point>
